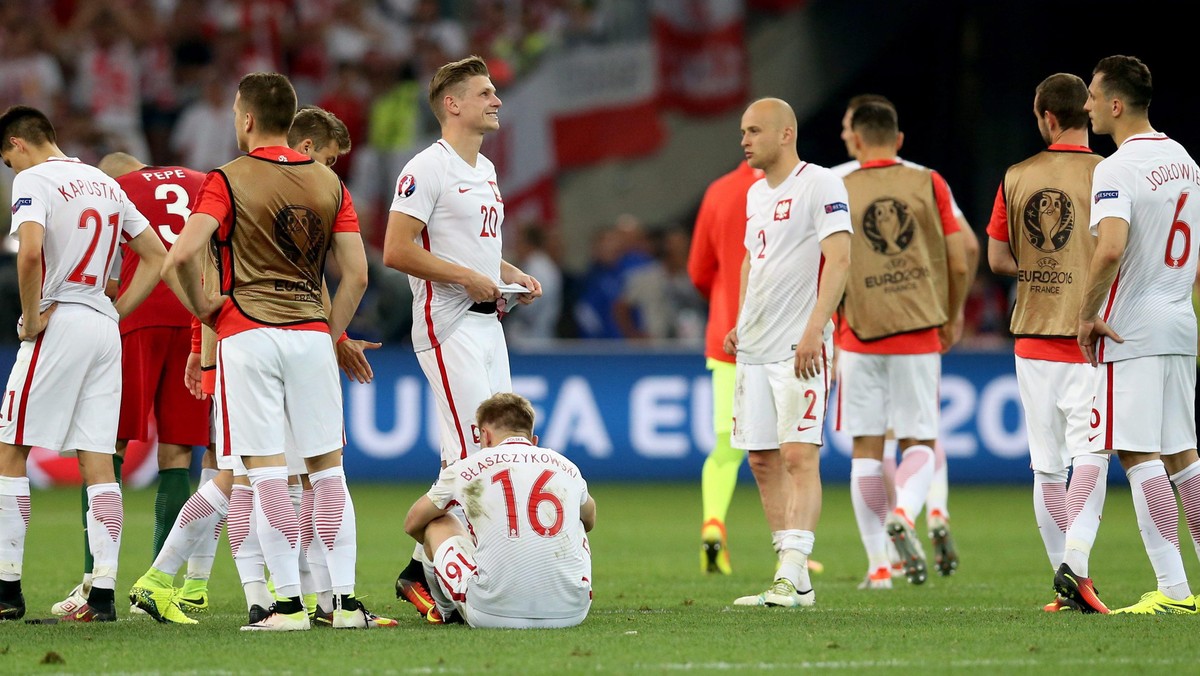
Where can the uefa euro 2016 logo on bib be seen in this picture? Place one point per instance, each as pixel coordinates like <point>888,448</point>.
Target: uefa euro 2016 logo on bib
<point>1048,219</point>
<point>889,226</point>
<point>300,236</point>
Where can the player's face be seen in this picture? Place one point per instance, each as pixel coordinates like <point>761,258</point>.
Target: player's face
<point>239,124</point>
<point>760,140</point>
<point>478,106</point>
<point>1043,126</point>
<point>15,157</point>
<point>327,155</point>
<point>1098,106</point>
<point>848,133</point>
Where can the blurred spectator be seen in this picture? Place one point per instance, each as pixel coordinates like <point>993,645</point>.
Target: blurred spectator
<point>429,26</point>
<point>616,253</point>
<point>986,313</point>
<point>28,74</point>
<point>349,100</point>
<point>107,75</point>
<point>537,254</point>
<point>204,138</point>
<point>659,300</point>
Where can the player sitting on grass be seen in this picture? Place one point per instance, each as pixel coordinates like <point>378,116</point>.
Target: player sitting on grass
<point>524,563</point>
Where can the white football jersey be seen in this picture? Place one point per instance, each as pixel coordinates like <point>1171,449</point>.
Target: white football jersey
<point>845,168</point>
<point>522,506</point>
<point>784,229</point>
<point>82,212</point>
<point>1151,183</point>
<point>462,210</point>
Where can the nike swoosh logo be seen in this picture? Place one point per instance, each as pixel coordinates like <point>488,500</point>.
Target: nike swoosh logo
<point>1092,438</point>
<point>462,190</point>
<point>805,429</point>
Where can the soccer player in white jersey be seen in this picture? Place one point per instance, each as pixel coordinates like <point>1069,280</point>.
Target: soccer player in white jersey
<point>444,232</point>
<point>1137,323</point>
<point>525,562</point>
<point>793,275</point>
<point>64,391</point>
<point>937,508</point>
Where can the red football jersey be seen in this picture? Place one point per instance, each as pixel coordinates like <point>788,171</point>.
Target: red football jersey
<point>165,196</point>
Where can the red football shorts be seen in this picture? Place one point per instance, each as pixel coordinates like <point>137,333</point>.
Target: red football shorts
<point>152,364</point>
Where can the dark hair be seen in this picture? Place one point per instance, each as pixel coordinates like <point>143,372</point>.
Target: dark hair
<point>876,122</point>
<point>26,123</point>
<point>1064,95</point>
<point>271,99</point>
<point>321,126</point>
<point>856,101</point>
<point>452,75</point>
<point>1126,78</point>
<point>506,411</point>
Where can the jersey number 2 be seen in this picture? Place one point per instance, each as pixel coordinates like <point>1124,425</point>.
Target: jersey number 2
<point>88,219</point>
<point>537,495</point>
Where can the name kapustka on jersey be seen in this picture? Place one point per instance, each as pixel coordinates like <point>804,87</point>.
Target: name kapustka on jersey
<point>70,191</point>
<point>1172,172</point>
<point>473,469</point>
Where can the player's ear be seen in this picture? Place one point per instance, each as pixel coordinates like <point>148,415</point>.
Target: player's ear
<point>899,140</point>
<point>534,439</point>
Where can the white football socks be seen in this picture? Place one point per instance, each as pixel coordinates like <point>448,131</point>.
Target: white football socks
<point>1050,511</point>
<point>869,498</point>
<point>1085,504</point>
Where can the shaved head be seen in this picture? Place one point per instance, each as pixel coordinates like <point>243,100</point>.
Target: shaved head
<point>119,164</point>
<point>769,135</point>
<point>774,112</point>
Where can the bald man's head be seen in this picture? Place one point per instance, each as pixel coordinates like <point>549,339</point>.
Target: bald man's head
<point>119,164</point>
<point>769,133</point>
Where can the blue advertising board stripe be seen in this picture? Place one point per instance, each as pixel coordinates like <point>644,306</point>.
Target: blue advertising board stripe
<point>629,414</point>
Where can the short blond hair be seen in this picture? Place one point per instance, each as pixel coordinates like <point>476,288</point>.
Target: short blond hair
<point>507,412</point>
<point>451,75</point>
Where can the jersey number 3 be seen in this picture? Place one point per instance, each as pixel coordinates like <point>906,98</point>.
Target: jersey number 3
<point>537,495</point>
<point>90,218</point>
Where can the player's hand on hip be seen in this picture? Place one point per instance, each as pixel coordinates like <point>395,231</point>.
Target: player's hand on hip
<point>731,342</point>
<point>481,289</point>
<point>352,360</point>
<point>31,329</point>
<point>809,355</point>
<point>1090,332</point>
<point>191,376</point>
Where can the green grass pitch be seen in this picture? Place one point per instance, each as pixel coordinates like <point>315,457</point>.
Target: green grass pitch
<point>653,611</point>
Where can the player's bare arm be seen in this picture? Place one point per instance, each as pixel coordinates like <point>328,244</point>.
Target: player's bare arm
<point>184,266</point>
<point>1106,261</point>
<point>958,278</point>
<point>29,279</point>
<point>351,353</point>
<point>731,339</point>
<point>401,252</point>
<point>587,514</point>
<point>351,258</point>
<point>419,515</point>
<point>150,249</point>
<point>1000,258</point>
<point>835,250</point>
<point>511,274</point>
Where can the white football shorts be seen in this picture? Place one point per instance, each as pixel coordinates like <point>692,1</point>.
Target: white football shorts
<point>277,392</point>
<point>901,389</point>
<point>1147,404</point>
<point>1060,419</point>
<point>64,390</point>
<point>467,368</point>
<point>771,406</point>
